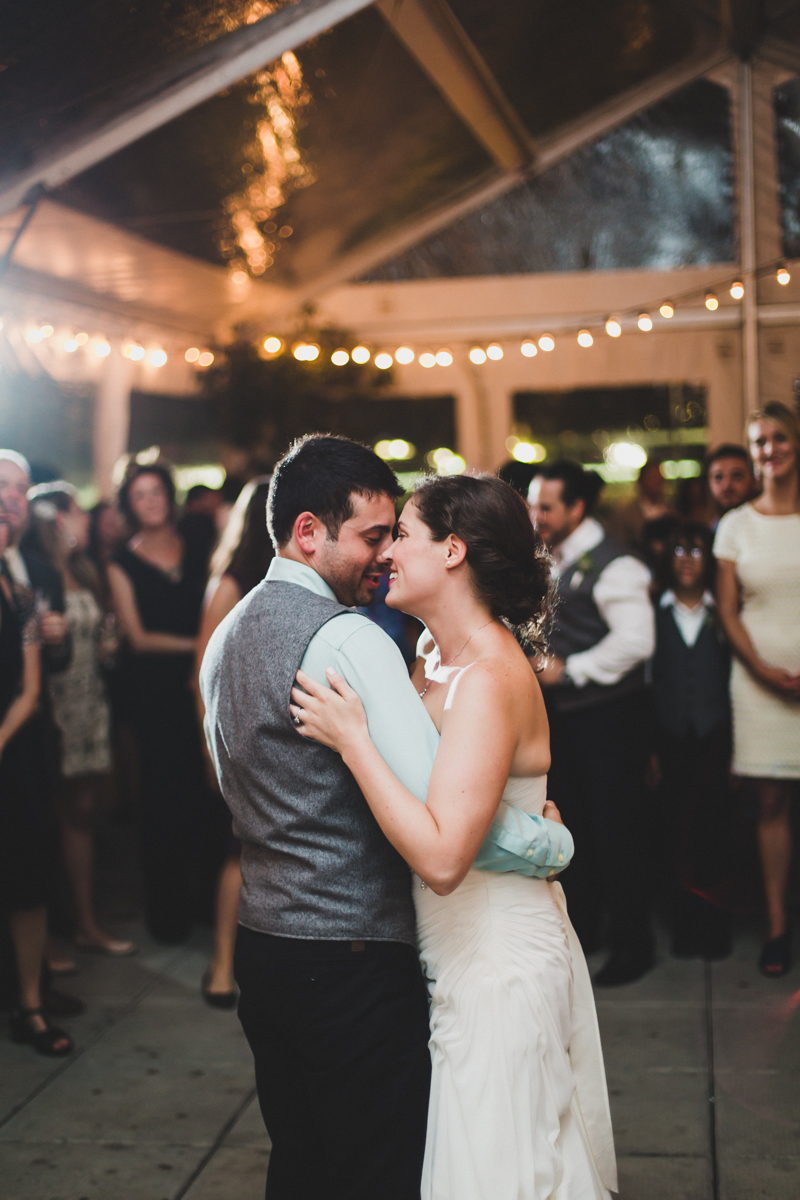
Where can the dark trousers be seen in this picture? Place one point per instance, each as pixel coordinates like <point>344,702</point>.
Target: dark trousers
<point>697,829</point>
<point>596,779</point>
<point>181,825</point>
<point>339,1034</point>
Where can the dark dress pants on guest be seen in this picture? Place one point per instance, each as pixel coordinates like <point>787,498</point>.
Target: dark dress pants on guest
<point>697,831</point>
<point>180,842</point>
<point>339,1033</point>
<point>599,754</point>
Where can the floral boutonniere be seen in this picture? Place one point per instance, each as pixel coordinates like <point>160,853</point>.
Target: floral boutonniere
<point>585,563</point>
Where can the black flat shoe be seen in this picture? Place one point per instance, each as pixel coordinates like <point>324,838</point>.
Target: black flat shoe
<point>44,1041</point>
<point>624,966</point>
<point>218,999</point>
<point>775,958</point>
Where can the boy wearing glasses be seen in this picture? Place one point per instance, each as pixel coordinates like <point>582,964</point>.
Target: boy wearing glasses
<point>691,667</point>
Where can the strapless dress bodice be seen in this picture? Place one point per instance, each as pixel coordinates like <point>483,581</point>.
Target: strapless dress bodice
<point>528,794</point>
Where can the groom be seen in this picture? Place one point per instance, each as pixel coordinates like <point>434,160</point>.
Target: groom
<point>333,1002</point>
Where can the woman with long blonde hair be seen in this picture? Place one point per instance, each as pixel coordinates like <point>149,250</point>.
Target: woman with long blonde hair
<point>757,548</point>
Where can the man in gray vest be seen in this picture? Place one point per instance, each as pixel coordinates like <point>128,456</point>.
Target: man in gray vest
<point>595,691</point>
<point>332,997</point>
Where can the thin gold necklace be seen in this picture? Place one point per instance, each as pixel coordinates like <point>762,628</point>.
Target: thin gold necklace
<point>455,656</point>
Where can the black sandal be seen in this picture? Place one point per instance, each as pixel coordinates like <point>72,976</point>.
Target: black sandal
<point>43,1040</point>
<point>775,958</point>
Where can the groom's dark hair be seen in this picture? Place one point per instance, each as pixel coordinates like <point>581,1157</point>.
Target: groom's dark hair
<point>319,474</point>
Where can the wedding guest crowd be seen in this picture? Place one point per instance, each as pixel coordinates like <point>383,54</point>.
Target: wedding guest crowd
<point>93,605</point>
<point>715,694</point>
<point>674,665</point>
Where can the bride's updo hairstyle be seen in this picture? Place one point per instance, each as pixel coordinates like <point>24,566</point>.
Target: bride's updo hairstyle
<point>510,567</point>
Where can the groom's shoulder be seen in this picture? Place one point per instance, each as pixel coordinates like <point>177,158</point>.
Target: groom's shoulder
<point>345,626</point>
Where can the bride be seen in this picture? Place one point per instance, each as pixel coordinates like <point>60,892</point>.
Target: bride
<point>518,1107</point>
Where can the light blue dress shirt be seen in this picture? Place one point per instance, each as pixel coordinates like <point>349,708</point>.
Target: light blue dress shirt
<point>405,735</point>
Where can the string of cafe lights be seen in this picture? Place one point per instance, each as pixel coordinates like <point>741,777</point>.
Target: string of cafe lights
<point>70,342</point>
<point>309,351</point>
<point>611,324</point>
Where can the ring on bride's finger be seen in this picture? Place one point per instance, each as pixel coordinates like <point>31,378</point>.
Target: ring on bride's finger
<point>297,721</point>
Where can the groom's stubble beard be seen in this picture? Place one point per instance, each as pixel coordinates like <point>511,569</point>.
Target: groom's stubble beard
<point>345,577</point>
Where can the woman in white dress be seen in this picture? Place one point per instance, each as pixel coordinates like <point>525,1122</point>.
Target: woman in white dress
<point>757,548</point>
<point>518,1108</point>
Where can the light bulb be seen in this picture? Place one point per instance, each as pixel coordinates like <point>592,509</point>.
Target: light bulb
<point>645,322</point>
<point>360,355</point>
<point>427,359</point>
<point>613,327</point>
<point>529,452</point>
<point>712,303</point>
<point>528,348</point>
<point>205,359</point>
<point>70,345</point>
<point>158,358</point>
<point>46,331</point>
<point>444,358</point>
<point>585,338</point>
<point>477,355</point>
<point>192,354</point>
<point>340,358</point>
<point>136,352</point>
<point>383,361</point>
<point>667,309</point>
<point>272,345</point>
<point>547,342</point>
<point>494,351</point>
<point>783,276</point>
<point>81,338</point>
<point>404,355</point>
<point>737,290</point>
<point>102,349</point>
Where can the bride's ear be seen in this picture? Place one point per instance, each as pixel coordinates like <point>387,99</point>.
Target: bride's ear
<point>455,551</point>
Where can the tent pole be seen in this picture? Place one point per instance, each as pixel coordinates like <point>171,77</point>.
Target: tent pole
<point>747,239</point>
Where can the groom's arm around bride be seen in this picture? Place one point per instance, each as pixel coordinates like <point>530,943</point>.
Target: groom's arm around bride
<point>332,999</point>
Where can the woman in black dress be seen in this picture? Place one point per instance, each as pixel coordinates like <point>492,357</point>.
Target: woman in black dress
<point>157,589</point>
<point>24,836</point>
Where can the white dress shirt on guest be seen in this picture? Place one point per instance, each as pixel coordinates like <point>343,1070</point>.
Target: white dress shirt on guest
<point>689,620</point>
<point>622,597</point>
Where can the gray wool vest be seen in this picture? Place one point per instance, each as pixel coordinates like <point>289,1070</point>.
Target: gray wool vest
<point>578,626</point>
<point>315,863</point>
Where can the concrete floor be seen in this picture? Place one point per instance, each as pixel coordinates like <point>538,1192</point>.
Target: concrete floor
<point>158,1102</point>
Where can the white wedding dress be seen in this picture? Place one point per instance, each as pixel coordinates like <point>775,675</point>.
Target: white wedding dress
<point>519,1107</point>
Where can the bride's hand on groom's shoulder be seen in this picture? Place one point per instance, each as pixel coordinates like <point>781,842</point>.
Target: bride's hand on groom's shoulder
<point>332,715</point>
